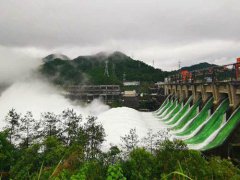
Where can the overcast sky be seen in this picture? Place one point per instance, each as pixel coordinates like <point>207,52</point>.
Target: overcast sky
<point>166,31</point>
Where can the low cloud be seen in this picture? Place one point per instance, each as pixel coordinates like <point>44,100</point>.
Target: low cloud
<point>165,57</point>
<point>38,96</point>
<point>16,65</point>
<point>166,31</point>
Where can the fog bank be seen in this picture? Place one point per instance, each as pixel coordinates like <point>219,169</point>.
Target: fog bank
<point>38,96</point>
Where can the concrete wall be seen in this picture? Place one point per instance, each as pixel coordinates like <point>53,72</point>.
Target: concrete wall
<point>218,91</point>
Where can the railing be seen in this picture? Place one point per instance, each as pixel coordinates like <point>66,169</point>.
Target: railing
<point>229,72</point>
<point>95,90</point>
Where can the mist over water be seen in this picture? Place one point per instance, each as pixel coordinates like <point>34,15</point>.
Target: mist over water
<point>16,65</point>
<point>24,90</point>
<point>117,122</point>
<point>38,96</point>
<point>28,91</point>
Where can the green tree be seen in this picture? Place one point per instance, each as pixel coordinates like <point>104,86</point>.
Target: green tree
<point>223,169</point>
<point>28,162</point>
<point>49,125</point>
<point>7,152</point>
<point>152,141</point>
<point>130,141</point>
<point>115,172</point>
<point>112,156</point>
<point>53,151</point>
<point>71,125</point>
<point>139,165</point>
<point>12,119</point>
<point>91,170</point>
<point>174,156</point>
<point>27,129</point>
<point>95,135</point>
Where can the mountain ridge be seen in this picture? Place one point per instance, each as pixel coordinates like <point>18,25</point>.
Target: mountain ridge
<point>52,57</point>
<point>105,68</point>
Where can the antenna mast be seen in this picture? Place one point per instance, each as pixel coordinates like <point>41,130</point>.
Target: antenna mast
<point>179,65</point>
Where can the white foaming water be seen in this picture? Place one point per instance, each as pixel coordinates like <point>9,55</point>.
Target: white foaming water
<point>117,122</point>
<point>171,119</point>
<point>30,94</point>
<point>164,112</point>
<point>38,97</point>
<point>186,125</point>
<point>210,138</point>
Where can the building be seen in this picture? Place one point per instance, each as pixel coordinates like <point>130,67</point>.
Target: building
<point>131,99</point>
<point>87,93</point>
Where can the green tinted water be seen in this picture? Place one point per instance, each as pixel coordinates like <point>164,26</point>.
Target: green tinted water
<point>225,131</point>
<point>212,125</point>
<point>188,116</point>
<point>180,113</point>
<point>198,120</point>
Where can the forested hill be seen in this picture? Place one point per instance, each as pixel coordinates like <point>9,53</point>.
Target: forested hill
<point>198,66</point>
<point>91,69</point>
<point>194,67</point>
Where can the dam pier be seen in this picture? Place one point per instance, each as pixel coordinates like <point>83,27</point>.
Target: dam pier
<point>217,90</point>
<point>202,108</point>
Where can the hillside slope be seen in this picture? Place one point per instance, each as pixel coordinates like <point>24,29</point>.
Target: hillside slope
<point>195,67</point>
<point>91,70</point>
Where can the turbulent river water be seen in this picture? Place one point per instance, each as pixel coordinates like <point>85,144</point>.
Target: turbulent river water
<point>38,96</point>
<point>199,128</point>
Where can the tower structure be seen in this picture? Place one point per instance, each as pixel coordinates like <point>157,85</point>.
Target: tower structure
<point>106,73</point>
<point>179,64</point>
<point>113,69</point>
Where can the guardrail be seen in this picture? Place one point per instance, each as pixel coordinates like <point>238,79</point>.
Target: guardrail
<point>229,72</point>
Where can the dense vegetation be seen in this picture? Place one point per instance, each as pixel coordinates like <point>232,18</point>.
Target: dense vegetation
<point>199,66</point>
<point>66,146</point>
<point>90,70</point>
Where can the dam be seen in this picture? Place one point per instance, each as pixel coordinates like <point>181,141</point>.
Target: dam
<point>204,112</point>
